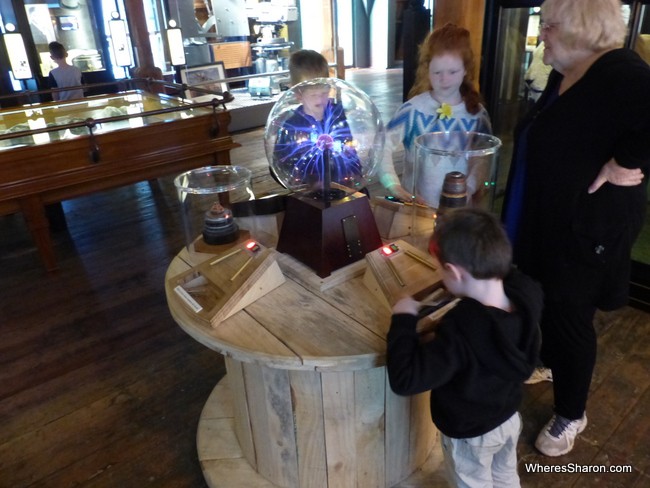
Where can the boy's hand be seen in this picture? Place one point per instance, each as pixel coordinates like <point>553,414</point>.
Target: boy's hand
<point>406,305</point>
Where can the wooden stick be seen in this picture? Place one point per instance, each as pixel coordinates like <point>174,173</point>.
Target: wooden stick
<point>434,297</point>
<point>392,267</point>
<point>241,269</point>
<point>428,323</point>
<point>412,255</point>
<point>231,253</point>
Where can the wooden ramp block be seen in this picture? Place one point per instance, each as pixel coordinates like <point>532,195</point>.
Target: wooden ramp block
<point>397,219</point>
<point>224,284</point>
<point>406,271</point>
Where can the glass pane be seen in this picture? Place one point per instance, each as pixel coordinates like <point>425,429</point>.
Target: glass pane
<point>71,23</point>
<point>39,116</point>
<point>641,44</point>
<point>516,42</point>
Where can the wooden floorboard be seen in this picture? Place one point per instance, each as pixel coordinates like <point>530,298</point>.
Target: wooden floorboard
<point>100,388</point>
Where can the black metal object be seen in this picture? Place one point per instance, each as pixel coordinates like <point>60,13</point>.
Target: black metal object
<point>93,154</point>
<point>639,288</point>
<point>416,23</point>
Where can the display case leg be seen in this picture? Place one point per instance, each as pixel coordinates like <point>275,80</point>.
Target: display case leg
<point>39,226</point>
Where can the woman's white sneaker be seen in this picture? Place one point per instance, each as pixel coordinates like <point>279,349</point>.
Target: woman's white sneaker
<point>540,374</point>
<point>559,434</point>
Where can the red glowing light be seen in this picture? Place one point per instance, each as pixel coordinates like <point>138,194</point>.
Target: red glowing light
<point>252,246</point>
<point>386,250</point>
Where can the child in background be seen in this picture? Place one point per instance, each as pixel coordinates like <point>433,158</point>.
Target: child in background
<point>64,74</point>
<point>307,64</point>
<point>482,350</point>
<point>443,99</point>
<point>318,123</point>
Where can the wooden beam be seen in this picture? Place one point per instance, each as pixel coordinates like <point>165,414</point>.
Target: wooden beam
<point>469,14</point>
<point>139,33</point>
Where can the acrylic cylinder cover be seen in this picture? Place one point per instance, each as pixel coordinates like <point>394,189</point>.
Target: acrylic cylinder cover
<point>451,169</point>
<point>206,195</point>
<point>471,156</point>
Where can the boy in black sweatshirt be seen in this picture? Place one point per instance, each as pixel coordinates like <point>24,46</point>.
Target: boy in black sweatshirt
<point>482,351</point>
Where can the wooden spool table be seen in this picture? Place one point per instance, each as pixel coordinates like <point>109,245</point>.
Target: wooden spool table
<point>306,370</point>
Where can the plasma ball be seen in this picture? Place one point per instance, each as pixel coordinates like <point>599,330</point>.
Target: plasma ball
<point>310,151</point>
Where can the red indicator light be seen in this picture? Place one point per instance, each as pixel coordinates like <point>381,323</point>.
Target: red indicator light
<point>252,246</point>
<point>386,251</point>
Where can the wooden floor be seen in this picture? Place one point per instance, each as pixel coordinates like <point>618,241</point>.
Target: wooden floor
<point>100,388</point>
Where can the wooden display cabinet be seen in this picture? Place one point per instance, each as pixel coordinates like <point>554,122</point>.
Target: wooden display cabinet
<point>55,151</point>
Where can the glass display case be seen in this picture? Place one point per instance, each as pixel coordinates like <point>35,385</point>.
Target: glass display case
<point>59,150</point>
<point>100,114</point>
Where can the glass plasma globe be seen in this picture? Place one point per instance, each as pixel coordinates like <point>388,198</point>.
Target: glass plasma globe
<point>324,138</point>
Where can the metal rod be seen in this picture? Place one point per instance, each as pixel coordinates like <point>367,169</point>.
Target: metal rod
<point>226,256</point>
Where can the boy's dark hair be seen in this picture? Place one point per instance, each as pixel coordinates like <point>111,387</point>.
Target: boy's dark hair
<point>57,50</point>
<point>474,239</point>
<point>307,64</point>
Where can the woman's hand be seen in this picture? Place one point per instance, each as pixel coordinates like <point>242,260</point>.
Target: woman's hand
<point>613,173</point>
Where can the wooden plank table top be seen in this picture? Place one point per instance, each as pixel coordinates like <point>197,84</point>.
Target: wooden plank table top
<point>307,368</point>
<point>296,326</point>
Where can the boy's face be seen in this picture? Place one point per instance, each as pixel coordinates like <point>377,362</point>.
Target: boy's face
<point>314,100</point>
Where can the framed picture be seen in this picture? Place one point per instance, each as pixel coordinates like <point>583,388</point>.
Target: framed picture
<point>204,77</point>
<point>67,22</point>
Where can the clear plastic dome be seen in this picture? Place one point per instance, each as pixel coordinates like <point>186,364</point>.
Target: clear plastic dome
<point>324,137</point>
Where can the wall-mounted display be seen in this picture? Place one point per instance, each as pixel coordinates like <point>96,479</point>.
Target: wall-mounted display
<point>120,41</point>
<point>176,47</point>
<point>17,56</point>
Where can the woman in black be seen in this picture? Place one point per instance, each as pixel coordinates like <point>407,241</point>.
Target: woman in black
<point>576,193</point>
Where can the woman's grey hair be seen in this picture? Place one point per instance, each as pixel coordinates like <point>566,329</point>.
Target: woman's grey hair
<point>587,24</point>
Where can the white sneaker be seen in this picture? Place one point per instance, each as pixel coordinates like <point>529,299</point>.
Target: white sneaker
<point>559,434</point>
<point>540,374</point>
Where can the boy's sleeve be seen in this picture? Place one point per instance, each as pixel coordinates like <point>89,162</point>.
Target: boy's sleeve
<point>395,131</point>
<point>52,83</point>
<point>415,367</point>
